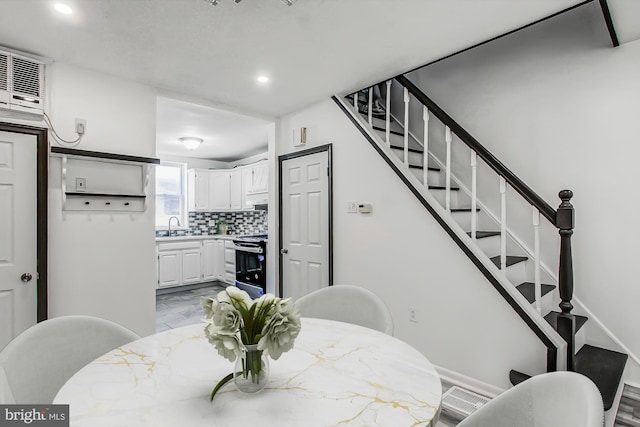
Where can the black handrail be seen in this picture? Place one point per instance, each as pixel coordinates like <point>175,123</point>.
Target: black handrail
<point>523,189</point>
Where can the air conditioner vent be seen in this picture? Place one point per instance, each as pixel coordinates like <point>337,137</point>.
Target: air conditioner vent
<point>26,77</point>
<point>4,71</point>
<point>461,403</point>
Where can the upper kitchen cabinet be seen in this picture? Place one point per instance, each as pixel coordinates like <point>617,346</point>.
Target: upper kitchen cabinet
<point>198,189</point>
<point>255,184</point>
<point>224,190</point>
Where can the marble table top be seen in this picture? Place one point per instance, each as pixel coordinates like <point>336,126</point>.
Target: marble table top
<point>336,374</point>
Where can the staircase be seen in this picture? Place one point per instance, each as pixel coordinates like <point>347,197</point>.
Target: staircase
<point>521,268</point>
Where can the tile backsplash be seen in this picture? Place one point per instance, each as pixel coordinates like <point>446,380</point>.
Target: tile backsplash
<point>241,222</point>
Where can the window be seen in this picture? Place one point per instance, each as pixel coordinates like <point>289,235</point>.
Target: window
<point>170,194</point>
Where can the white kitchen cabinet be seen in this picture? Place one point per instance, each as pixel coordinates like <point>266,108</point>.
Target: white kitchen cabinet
<point>198,189</point>
<point>260,177</point>
<point>218,259</point>
<point>191,272</point>
<point>209,270</point>
<point>246,174</point>
<point>235,189</point>
<point>179,263</point>
<point>255,179</point>
<point>230,262</point>
<point>219,190</point>
<point>169,268</point>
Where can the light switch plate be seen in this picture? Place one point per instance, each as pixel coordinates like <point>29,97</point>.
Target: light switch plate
<point>352,207</point>
<point>81,184</point>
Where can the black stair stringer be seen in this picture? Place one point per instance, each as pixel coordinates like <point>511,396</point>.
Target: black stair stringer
<point>551,348</point>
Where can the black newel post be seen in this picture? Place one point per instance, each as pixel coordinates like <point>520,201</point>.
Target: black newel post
<point>566,320</point>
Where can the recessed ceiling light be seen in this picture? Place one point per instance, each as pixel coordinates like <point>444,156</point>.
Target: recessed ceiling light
<point>63,8</point>
<point>263,79</point>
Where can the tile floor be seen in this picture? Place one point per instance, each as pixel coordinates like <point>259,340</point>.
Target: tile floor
<point>181,308</point>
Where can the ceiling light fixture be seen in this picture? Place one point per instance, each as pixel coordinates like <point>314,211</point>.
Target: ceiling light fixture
<point>262,79</point>
<point>215,2</point>
<point>191,143</point>
<point>63,8</point>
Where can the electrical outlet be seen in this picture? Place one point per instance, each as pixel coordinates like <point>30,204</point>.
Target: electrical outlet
<point>413,315</point>
<point>81,126</point>
<point>352,207</point>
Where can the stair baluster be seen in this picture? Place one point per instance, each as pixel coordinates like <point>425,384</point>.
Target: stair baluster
<point>447,138</point>
<point>474,194</point>
<point>536,255</point>
<point>388,115</point>
<point>355,101</point>
<point>503,225</point>
<point>370,107</point>
<point>566,320</point>
<point>425,150</point>
<point>406,126</point>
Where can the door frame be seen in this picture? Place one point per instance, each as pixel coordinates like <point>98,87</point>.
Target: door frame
<point>42,184</point>
<point>289,156</point>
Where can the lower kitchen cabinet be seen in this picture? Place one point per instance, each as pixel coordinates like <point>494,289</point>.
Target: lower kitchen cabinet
<point>179,263</point>
<point>230,262</point>
<point>195,261</point>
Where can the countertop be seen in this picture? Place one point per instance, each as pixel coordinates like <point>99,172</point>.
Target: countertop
<point>203,237</point>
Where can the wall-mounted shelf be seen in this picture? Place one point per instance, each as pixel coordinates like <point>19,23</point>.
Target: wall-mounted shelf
<point>103,182</point>
<point>105,156</point>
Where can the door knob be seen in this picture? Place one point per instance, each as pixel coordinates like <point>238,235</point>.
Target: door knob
<point>26,277</point>
<point>284,251</point>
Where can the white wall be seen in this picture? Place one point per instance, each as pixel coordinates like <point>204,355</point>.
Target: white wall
<point>403,255</point>
<point>100,264</point>
<point>560,107</point>
<point>194,163</point>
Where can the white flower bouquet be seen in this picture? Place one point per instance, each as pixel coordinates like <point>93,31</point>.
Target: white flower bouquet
<point>240,327</point>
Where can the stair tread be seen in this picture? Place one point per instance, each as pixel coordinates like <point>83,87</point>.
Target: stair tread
<point>552,318</point>
<point>516,377</point>
<point>527,289</point>
<point>411,150</point>
<point>395,132</point>
<point>431,168</point>
<point>604,367</point>
<point>484,234</point>
<point>442,187</point>
<point>464,210</point>
<point>511,260</point>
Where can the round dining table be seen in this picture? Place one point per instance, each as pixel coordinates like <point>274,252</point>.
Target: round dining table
<point>337,374</point>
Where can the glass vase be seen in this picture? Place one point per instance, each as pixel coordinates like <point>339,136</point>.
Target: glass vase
<point>251,372</point>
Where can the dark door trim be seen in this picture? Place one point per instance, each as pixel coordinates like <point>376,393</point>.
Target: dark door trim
<point>42,167</point>
<point>289,156</point>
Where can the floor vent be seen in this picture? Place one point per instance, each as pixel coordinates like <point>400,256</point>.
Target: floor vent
<point>461,403</point>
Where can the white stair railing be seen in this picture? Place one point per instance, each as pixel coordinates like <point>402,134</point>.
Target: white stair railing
<point>474,194</point>
<point>370,107</point>
<point>387,129</point>
<point>355,101</point>
<point>503,225</point>
<point>447,195</point>
<point>536,255</point>
<point>425,147</point>
<point>406,126</point>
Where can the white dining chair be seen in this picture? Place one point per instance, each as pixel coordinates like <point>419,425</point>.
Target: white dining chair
<point>36,363</point>
<point>564,399</point>
<point>350,304</point>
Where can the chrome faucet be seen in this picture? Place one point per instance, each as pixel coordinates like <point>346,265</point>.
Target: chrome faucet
<point>177,220</point>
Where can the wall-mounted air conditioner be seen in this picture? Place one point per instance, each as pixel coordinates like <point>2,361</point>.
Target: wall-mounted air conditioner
<point>21,86</point>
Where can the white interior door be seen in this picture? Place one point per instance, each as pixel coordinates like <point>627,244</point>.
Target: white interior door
<point>305,224</point>
<point>18,234</point>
